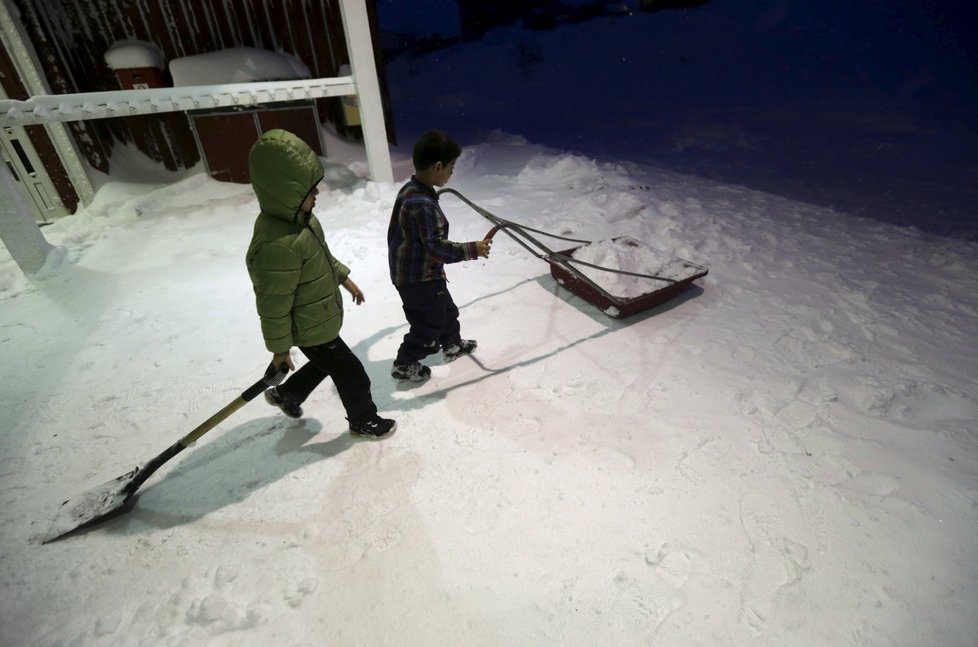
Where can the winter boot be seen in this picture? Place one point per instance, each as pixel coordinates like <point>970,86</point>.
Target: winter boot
<point>373,428</point>
<point>456,349</point>
<point>289,407</point>
<point>413,372</point>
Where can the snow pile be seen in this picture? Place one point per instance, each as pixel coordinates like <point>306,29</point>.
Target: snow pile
<point>860,107</point>
<point>622,258</point>
<point>236,65</point>
<point>131,53</point>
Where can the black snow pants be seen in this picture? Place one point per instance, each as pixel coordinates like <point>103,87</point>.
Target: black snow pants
<point>335,360</point>
<point>433,319</point>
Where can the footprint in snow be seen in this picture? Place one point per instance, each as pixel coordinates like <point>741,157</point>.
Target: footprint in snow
<point>776,562</point>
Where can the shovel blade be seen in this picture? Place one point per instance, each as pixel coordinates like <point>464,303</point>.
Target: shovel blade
<point>95,506</point>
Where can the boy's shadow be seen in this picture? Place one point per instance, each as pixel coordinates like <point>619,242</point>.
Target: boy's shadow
<point>379,370</point>
<point>437,390</point>
<point>232,468</point>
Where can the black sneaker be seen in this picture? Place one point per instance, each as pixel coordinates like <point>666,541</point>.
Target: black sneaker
<point>373,428</point>
<point>413,372</point>
<point>455,350</point>
<point>289,407</point>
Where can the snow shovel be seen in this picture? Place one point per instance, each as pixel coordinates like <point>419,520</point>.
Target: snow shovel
<point>116,497</point>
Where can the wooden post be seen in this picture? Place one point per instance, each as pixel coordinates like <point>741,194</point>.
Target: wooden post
<point>25,60</point>
<point>18,230</point>
<point>356,26</point>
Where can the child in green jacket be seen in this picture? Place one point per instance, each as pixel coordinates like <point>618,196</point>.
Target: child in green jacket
<point>296,281</point>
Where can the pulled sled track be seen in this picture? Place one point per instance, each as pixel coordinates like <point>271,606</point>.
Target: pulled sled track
<point>666,280</point>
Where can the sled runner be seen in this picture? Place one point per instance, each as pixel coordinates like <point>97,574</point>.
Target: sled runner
<point>648,280</point>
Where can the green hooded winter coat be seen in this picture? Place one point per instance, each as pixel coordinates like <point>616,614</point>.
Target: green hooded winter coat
<point>296,279</point>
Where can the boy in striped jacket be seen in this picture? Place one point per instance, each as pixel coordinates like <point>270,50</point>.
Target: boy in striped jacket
<point>418,249</point>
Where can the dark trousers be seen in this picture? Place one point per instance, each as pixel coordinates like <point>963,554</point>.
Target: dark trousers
<point>335,360</point>
<point>433,319</point>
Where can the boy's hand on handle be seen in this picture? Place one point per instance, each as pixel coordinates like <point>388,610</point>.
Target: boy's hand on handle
<point>355,291</point>
<point>483,247</point>
<point>283,358</point>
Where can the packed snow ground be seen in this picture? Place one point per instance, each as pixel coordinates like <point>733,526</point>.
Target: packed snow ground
<point>784,455</point>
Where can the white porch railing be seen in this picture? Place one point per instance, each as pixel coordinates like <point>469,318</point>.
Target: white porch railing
<point>54,108</point>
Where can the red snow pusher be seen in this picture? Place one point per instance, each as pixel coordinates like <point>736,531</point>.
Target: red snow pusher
<point>620,276</point>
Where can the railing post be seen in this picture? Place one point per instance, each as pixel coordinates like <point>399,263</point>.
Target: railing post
<point>358,42</point>
<point>17,45</point>
<point>20,234</point>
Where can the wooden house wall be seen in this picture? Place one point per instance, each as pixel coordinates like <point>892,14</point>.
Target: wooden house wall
<point>38,136</point>
<point>71,37</point>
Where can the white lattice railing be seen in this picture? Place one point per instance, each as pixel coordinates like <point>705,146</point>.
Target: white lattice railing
<point>51,108</point>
